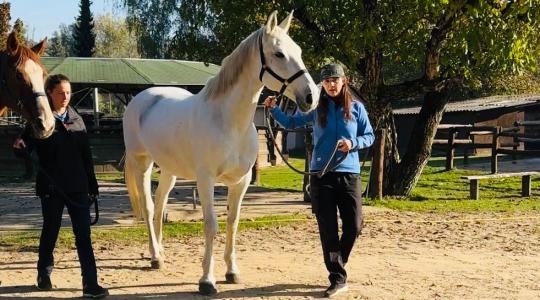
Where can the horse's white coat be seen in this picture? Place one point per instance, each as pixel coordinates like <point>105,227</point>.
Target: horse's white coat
<point>208,137</point>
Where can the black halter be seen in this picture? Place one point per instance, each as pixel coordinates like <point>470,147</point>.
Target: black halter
<point>3,83</point>
<point>266,68</point>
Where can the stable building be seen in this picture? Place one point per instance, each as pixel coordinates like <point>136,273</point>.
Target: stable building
<point>101,87</point>
<point>502,110</point>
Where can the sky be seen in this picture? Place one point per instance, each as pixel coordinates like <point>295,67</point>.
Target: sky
<point>43,17</point>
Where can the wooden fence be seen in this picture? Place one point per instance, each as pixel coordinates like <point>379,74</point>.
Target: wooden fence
<point>500,140</point>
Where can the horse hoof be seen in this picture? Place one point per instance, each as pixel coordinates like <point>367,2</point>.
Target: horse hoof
<point>232,278</point>
<point>207,289</point>
<point>157,264</point>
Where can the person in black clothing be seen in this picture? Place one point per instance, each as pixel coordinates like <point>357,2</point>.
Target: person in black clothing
<point>65,178</point>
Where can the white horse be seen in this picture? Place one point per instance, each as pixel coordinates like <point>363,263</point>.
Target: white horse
<point>210,137</point>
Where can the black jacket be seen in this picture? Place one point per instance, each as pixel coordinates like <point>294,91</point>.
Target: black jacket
<point>65,158</point>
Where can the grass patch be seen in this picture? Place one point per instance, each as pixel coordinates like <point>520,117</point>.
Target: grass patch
<point>437,190</point>
<point>116,177</point>
<point>29,241</point>
<point>282,177</point>
<point>444,191</point>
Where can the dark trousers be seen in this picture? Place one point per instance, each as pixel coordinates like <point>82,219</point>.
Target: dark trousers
<point>78,206</point>
<point>333,192</point>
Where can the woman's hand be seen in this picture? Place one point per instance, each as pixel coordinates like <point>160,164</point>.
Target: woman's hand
<point>345,145</point>
<point>19,144</point>
<point>270,102</point>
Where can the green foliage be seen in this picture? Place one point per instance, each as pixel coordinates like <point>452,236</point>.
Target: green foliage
<point>152,22</point>
<point>111,106</point>
<point>5,17</point>
<point>113,38</point>
<point>61,44</point>
<point>20,30</point>
<point>83,34</point>
<point>486,40</point>
<point>491,42</point>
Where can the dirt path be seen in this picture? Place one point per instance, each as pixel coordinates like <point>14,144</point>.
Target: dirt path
<point>399,255</point>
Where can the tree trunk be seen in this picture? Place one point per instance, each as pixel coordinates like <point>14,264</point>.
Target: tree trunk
<point>406,174</point>
<point>403,175</point>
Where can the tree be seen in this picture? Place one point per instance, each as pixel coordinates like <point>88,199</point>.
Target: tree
<point>61,44</point>
<point>5,17</point>
<point>394,50</point>
<point>20,29</point>
<point>83,35</point>
<point>113,38</point>
<point>152,21</point>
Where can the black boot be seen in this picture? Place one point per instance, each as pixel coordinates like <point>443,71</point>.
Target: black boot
<point>44,282</point>
<point>95,292</point>
<point>335,289</point>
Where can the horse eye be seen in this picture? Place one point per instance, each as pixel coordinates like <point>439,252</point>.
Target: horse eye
<point>279,55</point>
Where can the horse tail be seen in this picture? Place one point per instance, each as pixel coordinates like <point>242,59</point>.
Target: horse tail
<point>133,174</point>
<point>132,187</point>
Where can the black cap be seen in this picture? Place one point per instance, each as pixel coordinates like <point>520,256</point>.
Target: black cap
<point>332,70</point>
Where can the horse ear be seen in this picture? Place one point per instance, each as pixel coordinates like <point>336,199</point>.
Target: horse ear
<point>286,23</point>
<point>40,47</point>
<point>12,43</point>
<point>271,23</point>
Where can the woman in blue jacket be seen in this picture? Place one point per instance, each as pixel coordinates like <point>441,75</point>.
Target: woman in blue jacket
<point>340,120</point>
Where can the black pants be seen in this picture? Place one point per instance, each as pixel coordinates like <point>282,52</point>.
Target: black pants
<point>78,206</point>
<point>333,192</point>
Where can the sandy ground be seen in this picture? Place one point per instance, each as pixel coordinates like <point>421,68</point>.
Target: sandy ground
<point>398,256</point>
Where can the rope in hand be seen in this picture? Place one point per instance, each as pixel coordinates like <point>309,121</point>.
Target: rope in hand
<point>319,173</point>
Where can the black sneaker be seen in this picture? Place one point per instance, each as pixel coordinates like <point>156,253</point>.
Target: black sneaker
<point>44,282</point>
<point>95,292</point>
<point>335,289</point>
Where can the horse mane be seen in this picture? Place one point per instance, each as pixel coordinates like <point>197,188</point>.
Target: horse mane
<point>232,66</point>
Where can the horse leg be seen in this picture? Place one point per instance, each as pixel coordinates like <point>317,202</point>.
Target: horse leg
<point>141,172</point>
<point>234,201</point>
<point>205,187</point>
<point>166,183</point>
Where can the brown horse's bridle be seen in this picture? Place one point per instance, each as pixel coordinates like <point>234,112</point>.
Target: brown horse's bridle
<point>4,86</point>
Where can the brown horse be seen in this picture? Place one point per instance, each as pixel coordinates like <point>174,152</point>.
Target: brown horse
<point>22,85</point>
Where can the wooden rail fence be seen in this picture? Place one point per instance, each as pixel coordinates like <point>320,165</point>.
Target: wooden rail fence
<point>463,136</point>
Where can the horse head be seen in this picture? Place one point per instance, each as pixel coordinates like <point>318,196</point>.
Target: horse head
<point>22,85</point>
<point>281,58</point>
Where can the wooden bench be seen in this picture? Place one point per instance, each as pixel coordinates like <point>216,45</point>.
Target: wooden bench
<point>525,182</point>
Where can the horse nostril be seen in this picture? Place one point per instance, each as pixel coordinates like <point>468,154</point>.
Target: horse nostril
<point>309,99</point>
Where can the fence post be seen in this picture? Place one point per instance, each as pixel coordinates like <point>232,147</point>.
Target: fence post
<point>494,149</point>
<point>450,149</point>
<point>255,172</point>
<point>96,108</point>
<point>526,186</point>
<point>378,163</point>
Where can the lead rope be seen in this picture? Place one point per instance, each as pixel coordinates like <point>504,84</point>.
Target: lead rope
<point>319,173</point>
